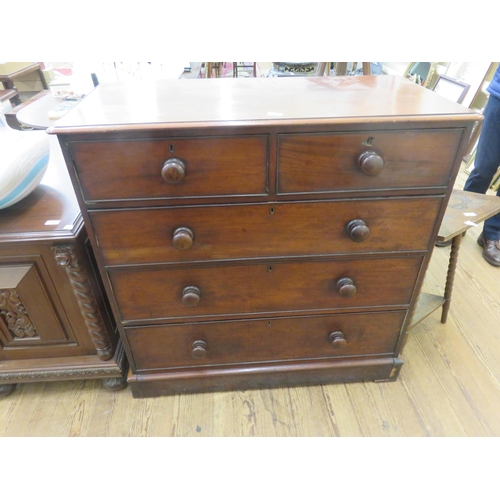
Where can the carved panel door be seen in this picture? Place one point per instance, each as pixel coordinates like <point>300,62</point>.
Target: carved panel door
<point>27,315</point>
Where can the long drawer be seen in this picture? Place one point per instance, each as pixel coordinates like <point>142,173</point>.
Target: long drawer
<point>197,167</point>
<point>229,342</point>
<point>206,291</point>
<point>208,233</point>
<point>312,163</point>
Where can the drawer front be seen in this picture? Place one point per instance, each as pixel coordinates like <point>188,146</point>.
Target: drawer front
<point>187,234</point>
<point>270,287</point>
<point>217,166</point>
<point>237,342</point>
<point>311,163</point>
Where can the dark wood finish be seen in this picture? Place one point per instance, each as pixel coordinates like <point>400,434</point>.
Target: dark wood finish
<point>346,288</point>
<point>67,257</point>
<point>450,276</point>
<point>111,170</point>
<point>264,230</point>
<point>9,94</point>
<point>191,296</point>
<point>370,163</point>
<point>55,321</point>
<point>285,339</point>
<point>264,288</point>
<point>338,162</point>
<point>337,340</point>
<point>264,376</point>
<point>24,307</point>
<point>183,238</point>
<point>173,171</point>
<point>199,349</point>
<point>273,229</point>
<point>216,104</point>
<point>357,230</point>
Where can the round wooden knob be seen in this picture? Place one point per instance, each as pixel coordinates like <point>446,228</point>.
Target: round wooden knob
<point>370,163</point>
<point>337,340</point>
<point>358,230</point>
<point>173,171</point>
<point>346,288</point>
<point>183,238</point>
<point>199,350</point>
<point>191,296</point>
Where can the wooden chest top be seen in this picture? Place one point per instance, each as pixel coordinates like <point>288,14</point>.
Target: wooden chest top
<point>203,103</point>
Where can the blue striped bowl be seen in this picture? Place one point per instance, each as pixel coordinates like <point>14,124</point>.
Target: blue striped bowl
<point>24,157</point>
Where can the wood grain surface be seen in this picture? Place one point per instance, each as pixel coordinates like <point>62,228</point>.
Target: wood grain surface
<point>162,104</point>
<point>450,385</point>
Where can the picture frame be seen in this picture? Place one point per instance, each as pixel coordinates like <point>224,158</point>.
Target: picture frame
<point>450,88</point>
<point>421,73</point>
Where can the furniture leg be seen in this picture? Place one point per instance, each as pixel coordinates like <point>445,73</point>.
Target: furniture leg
<point>114,384</point>
<point>14,100</point>
<point>42,79</point>
<point>6,389</point>
<point>455,247</point>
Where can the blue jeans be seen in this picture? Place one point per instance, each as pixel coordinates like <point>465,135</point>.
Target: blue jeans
<point>487,162</point>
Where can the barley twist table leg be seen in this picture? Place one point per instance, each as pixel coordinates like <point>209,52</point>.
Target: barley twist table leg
<point>450,277</point>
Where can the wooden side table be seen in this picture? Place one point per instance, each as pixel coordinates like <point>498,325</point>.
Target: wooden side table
<point>8,95</point>
<point>55,322</point>
<point>464,210</point>
<point>33,113</point>
<point>8,79</point>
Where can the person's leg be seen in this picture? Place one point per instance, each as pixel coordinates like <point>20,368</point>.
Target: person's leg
<point>487,158</point>
<point>487,162</point>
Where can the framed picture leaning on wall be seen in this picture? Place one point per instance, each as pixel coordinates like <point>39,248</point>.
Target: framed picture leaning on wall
<point>450,88</point>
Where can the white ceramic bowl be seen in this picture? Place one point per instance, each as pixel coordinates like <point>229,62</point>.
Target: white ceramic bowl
<point>24,157</point>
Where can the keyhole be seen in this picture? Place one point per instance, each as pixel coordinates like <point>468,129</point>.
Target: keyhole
<point>171,148</point>
<point>271,210</point>
<point>368,141</point>
<point>270,269</point>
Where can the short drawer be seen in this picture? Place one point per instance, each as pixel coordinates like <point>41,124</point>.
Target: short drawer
<point>172,168</point>
<point>254,341</point>
<point>272,287</point>
<point>208,233</point>
<point>312,163</point>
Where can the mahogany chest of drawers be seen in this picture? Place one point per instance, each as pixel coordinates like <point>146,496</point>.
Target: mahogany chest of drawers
<point>263,232</point>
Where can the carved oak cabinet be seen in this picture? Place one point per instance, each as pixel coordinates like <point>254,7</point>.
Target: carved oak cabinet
<point>262,232</point>
<point>55,321</point>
